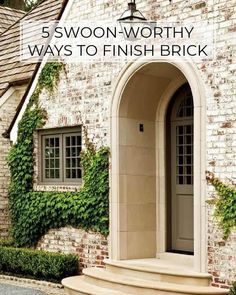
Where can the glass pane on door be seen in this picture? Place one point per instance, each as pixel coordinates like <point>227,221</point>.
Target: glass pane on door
<point>184,154</point>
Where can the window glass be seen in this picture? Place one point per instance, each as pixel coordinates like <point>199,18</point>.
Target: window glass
<point>184,154</point>
<point>51,157</point>
<point>72,158</point>
<point>61,156</point>
<point>186,107</point>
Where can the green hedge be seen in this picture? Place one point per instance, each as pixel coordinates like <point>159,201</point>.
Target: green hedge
<point>7,243</point>
<point>37,264</point>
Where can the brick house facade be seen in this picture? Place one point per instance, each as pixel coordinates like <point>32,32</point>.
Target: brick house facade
<point>85,96</point>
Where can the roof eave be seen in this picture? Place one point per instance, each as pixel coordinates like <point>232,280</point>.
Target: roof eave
<point>7,133</point>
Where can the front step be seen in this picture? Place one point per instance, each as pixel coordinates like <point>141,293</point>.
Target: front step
<point>78,286</point>
<point>132,285</point>
<point>159,272</point>
<point>132,277</point>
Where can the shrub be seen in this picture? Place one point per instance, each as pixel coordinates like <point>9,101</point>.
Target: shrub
<point>7,243</point>
<point>37,264</point>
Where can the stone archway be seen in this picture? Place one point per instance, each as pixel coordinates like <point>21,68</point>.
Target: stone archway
<point>138,176</point>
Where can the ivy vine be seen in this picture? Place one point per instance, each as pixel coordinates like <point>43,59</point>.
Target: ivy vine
<point>225,204</point>
<point>233,289</point>
<point>34,213</point>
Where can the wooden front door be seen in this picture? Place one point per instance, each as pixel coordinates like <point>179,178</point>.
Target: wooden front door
<point>182,229</point>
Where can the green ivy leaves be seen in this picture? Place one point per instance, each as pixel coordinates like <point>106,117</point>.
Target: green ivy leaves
<point>50,76</point>
<point>37,212</point>
<point>233,289</point>
<point>225,205</point>
<point>34,213</point>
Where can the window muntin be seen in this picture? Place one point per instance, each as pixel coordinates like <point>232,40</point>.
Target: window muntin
<point>72,156</point>
<point>182,116</point>
<point>61,156</point>
<point>51,157</point>
<point>184,152</point>
<point>186,107</point>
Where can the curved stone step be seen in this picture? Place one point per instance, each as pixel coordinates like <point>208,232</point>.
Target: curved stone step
<point>78,286</point>
<point>132,285</point>
<point>159,273</point>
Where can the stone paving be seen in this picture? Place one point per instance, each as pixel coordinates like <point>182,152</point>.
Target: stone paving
<point>6,289</point>
<point>18,286</point>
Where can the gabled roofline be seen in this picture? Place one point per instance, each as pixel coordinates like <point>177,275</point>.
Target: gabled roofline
<point>7,133</point>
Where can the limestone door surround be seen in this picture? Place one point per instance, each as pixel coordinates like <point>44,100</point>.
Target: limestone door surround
<point>138,180</point>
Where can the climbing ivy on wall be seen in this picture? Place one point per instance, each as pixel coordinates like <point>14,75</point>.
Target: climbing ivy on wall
<point>225,204</point>
<point>34,213</point>
<point>233,289</point>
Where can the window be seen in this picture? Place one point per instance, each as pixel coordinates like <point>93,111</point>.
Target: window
<point>60,155</point>
<point>182,117</point>
<point>186,107</point>
<point>184,153</point>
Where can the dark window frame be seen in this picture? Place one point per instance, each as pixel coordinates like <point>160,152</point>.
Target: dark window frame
<point>61,133</point>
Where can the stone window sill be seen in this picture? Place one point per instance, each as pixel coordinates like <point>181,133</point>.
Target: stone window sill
<point>57,188</point>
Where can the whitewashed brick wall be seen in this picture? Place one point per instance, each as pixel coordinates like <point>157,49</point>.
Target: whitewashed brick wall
<point>91,248</point>
<point>84,98</point>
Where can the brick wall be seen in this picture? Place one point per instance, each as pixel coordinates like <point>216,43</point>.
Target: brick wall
<point>85,97</point>
<point>7,111</point>
<point>92,248</point>
<point>221,254</point>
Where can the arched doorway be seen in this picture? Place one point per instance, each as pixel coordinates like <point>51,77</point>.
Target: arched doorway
<point>139,185</point>
<point>179,171</point>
